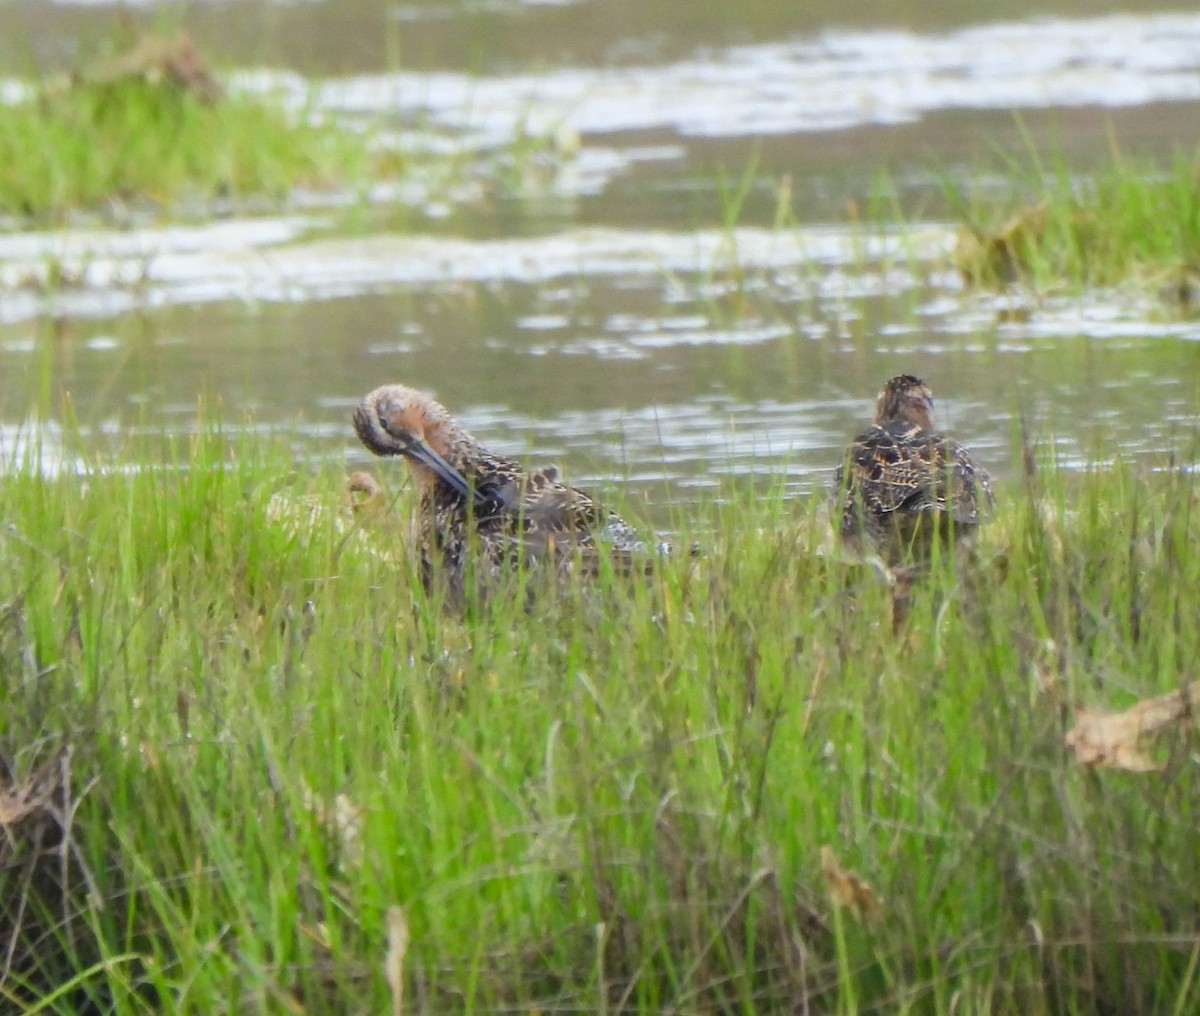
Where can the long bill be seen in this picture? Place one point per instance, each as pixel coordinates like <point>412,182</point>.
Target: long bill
<point>420,452</point>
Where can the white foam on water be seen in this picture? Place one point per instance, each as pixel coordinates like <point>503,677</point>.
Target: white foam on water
<point>835,80</point>
<point>115,272</point>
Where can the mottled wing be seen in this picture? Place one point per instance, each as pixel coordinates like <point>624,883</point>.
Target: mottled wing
<point>884,472</point>
<point>538,513</point>
<point>899,469</point>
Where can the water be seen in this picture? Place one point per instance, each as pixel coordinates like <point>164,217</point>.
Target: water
<point>602,316</point>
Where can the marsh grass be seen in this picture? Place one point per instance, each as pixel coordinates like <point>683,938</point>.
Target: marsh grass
<point>135,141</point>
<point>611,800</point>
<point>1133,220</point>
<point>124,147</point>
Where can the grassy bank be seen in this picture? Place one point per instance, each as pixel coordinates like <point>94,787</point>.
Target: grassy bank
<point>261,773</point>
<point>152,126</point>
<point>1130,221</point>
<point>138,145</point>
<point>151,129</point>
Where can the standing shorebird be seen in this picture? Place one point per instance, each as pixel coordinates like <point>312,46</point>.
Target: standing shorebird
<point>474,502</point>
<point>903,485</point>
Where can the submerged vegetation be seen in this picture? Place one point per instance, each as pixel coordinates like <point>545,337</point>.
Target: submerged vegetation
<point>246,764</point>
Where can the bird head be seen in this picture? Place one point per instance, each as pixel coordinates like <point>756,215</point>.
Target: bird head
<point>905,398</point>
<point>397,420</point>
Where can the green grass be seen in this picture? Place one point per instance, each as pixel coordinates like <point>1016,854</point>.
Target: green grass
<point>150,129</point>
<point>614,801</point>
<point>138,142</point>
<point>1130,221</point>
<point>125,148</point>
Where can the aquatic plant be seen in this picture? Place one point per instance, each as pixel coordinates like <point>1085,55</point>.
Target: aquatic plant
<point>261,770</point>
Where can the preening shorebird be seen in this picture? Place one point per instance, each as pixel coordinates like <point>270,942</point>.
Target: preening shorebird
<point>473,501</point>
<point>902,484</point>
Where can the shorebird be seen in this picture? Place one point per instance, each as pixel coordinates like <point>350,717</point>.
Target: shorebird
<point>903,485</point>
<point>482,510</point>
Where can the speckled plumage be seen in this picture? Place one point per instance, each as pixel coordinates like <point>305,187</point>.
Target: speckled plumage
<point>473,498</point>
<point>902,482</point>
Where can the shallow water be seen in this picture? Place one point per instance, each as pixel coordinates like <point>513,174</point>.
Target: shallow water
<point>602,316</point>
